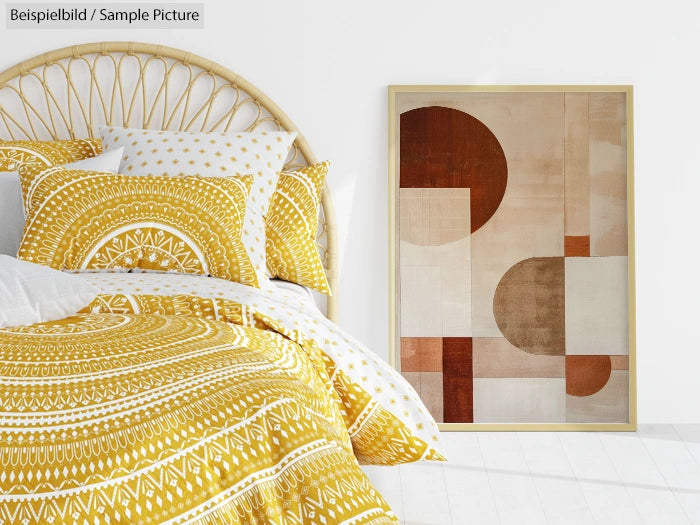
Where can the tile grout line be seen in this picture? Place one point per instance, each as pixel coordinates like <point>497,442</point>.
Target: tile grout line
<point>403,505</point>
<point>529,470</point>
<point>685,445</point>
<point>663,476</point>
<point>403,501</point>
<point>617,472</point>
<point>657,469</point>
<point>578,480</point>
<point>488,476</point>
<point>675,496</point>
<point>447,495</point>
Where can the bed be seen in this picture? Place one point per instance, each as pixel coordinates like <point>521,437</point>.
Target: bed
<point>187,398</point>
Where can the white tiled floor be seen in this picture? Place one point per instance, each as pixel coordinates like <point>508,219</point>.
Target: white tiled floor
<point>648,477</point>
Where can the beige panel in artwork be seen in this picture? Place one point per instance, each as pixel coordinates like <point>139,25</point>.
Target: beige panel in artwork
<point>414,380</point>
<point>530,220</point>
<point>434,232</point>
<point>428,385</point>
<point>412,223</point>
<point>519,400</point>
<point>608,173</point>
<point>449,214</point>
<point>596,314</point>
<point>421,301</point>
<point>431,393</point>
<point>450,254</point>
<point>433,216</point>
<point>619,362</point>
<point>576,159</point>
<point>454,305</point>
<point>496,357</point>
<point>608,405</point>
<point>404,214</point>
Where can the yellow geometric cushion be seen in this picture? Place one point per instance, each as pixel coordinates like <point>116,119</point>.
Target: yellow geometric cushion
<point>35,154</point>
<point>92,220</point>
<point>291,226</point>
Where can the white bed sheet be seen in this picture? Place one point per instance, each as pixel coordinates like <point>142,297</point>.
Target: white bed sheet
<point>297,289</point>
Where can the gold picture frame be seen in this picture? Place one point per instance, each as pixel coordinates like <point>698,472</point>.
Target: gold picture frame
<point>435,96</point>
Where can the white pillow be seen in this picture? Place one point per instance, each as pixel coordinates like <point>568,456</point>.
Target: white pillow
<point>12,213</point>
<point>211,154</point>
<point>30,293</point>
<point>107,161</point>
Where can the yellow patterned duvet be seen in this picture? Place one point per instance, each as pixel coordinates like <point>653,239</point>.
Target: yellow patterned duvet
<point>191,411</point>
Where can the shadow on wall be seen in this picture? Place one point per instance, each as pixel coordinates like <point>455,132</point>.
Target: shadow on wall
<point>343,190</point>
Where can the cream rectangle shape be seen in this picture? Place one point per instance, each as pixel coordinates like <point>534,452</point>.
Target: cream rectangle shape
<point>576,164</point>
<point>421,301</point>
<point>437,224</point>
<point>519,400</point>
<point>596,306</point>
<point>608,173</point>
<point>431,394</point>
<point>497,357</point>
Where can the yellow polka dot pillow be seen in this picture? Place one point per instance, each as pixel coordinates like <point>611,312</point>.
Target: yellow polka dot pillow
<point>211,154</point>
<point>291,227</point>
<point>91,220</point>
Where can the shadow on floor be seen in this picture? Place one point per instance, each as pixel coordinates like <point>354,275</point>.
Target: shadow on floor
<point>596,481</point>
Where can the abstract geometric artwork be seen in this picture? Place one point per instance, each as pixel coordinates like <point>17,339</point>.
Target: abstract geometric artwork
<point>511,272</point>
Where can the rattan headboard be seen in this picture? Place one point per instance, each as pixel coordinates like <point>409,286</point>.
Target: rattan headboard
<point>71,92</point>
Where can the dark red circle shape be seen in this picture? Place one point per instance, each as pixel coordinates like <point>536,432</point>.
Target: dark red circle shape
<point>447,148</point>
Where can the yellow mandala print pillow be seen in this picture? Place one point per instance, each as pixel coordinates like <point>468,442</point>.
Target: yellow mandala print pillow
<point>92,220</point>
<point>17,153</point>
<point>34,155</point>
<point>291,226</point>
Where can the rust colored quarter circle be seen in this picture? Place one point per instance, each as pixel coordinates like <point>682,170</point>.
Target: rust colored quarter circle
<point>587,374</point>
<point>446,148</point>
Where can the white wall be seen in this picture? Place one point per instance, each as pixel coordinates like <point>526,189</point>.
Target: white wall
<point>327,64</point>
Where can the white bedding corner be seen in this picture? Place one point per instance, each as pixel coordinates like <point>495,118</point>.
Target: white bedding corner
<point>31,294</point>
<point>12,213</point>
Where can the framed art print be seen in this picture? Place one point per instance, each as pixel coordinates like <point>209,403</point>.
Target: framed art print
<point>512,254</point>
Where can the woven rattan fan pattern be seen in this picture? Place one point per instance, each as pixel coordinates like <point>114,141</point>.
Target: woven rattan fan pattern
<point>71,92</point>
